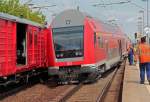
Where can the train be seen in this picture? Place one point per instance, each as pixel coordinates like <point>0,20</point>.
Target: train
<point>23,49</point>
<point>83,47</point>
<point>75,47</point>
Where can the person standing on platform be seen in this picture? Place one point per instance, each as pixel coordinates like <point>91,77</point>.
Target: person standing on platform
<point>144,60</point>
<point>130,55</point>
<point>135,54</point>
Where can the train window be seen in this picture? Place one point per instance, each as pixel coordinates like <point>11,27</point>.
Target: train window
<point>68,41</point>
<point>94,38</point>
<point>100,42</point>
<point>106,45</point>
<point>21,44</point>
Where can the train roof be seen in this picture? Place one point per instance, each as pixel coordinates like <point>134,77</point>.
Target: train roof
<point>105,27</point>
<point>74,17</point>
<point>68,18</point>
<point>17,19</point>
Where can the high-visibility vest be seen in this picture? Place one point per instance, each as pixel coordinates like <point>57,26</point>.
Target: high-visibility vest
<point>149,54</point>
<point>144,53</point>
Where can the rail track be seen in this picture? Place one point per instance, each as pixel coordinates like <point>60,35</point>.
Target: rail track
<point>11,89</point>
<point>34,91</point>
<point>39,93</point>
<point>94,92</point>
<point>113,89</point>
<point>107,89</point>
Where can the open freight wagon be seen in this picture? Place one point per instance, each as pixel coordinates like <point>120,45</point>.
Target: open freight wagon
<point>22,49</point>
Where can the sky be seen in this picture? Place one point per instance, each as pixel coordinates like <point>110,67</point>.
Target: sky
<point>126,15</point>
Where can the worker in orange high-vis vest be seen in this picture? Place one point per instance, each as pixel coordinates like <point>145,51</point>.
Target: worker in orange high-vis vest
<point>144,60</point>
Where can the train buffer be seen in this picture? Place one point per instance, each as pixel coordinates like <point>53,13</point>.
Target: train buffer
<point>133,91</point>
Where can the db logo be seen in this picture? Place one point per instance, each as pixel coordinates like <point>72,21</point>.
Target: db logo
<point>69,63</point>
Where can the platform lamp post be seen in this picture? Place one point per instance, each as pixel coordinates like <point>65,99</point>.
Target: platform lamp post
<point>147,1</point>
<point>143,24</point>
<point>147,28</point>
<point>147,13</point>
<point>140,29</point>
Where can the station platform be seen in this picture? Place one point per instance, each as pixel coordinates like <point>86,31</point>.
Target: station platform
<point>133,91</point>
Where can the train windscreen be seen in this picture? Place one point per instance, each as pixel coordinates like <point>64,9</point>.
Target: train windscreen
<point>68,41</point>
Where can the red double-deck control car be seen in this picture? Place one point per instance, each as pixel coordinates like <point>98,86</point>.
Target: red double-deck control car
<point>83,46</point>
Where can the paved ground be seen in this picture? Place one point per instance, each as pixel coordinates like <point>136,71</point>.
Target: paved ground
<point>133,91</point>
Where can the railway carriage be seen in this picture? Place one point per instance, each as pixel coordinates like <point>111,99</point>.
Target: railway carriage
<point>82,46</point>
<point>22,49</point>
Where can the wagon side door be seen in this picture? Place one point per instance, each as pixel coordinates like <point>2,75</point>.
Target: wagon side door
<point>30,45</point>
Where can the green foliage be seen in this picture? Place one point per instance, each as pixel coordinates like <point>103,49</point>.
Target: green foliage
<point>14,7</point>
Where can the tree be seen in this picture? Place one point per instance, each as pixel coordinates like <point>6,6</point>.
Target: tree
<point>14,7</point>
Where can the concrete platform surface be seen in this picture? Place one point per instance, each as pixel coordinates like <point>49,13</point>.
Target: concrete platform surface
<point>133,91</point>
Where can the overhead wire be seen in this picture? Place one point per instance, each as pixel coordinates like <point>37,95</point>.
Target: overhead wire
<point>111,3</point>
<point>136,5</point>
<point>118,3</point>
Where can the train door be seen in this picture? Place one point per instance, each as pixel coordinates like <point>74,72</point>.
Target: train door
<point>21,47</point>
<point>107,48</point>
<point>120,48</point>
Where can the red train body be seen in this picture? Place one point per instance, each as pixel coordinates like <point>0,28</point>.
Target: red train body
<point>23,48</point>
<point>83,45</point>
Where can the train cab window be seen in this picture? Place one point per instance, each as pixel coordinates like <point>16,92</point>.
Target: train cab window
<point>21,44</point>
<point>68,42</point>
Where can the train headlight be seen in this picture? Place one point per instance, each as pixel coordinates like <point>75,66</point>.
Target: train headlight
<point>76,53</point>
<point>80,53</point>
<point>57,55</point>
<point>61,55</point>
